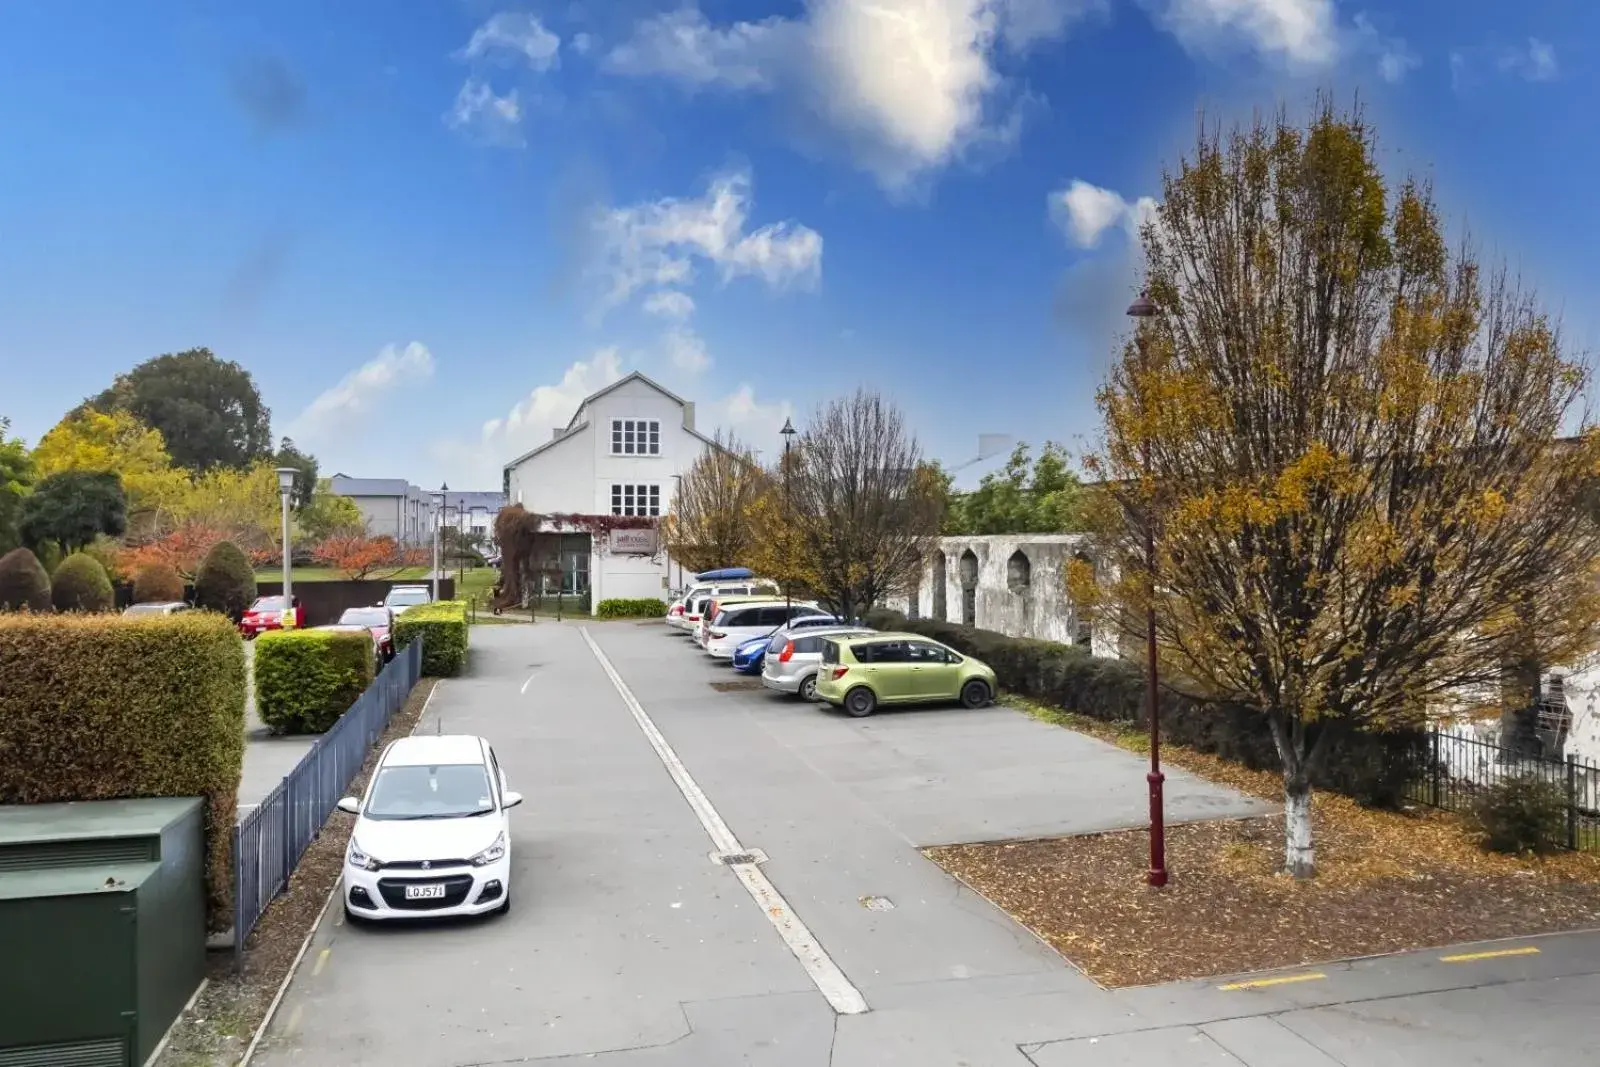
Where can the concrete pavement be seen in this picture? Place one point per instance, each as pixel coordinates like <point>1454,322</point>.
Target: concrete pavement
<point>628,945</point>
<point>266,758</point>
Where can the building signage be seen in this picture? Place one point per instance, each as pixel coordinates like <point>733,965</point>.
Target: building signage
<point>634,542</point>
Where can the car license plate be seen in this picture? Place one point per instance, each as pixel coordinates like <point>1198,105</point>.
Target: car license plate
<point>424,892</point>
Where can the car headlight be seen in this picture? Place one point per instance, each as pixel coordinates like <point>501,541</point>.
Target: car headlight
<point>496,851</point>
<point>357,858</point>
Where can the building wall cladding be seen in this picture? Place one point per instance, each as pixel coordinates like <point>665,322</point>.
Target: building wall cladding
<point>1015,584</point>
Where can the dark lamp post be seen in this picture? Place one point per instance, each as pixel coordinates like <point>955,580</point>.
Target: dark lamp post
<point>1145,308</point>
<point>788,433</point>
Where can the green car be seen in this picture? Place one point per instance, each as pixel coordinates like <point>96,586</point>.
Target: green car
<point>859,673</point>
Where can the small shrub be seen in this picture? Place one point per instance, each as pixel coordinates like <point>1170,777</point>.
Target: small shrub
<point>306,679</point>
<point>109,553</point>
<point>24,583</point>
<point>1522,814</point>
<point>443,628</point>
<point>157,583</point>
<point>81,584</point>
<point>636,608</point>
<point>105,707</point>
<point>225,582</point>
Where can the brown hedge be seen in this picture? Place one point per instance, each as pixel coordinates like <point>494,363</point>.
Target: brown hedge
<point>110,707</point>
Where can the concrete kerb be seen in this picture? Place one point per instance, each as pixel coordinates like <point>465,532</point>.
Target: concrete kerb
<point>305,945</point>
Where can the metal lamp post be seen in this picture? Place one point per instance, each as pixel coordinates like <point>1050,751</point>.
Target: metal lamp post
<point>461,544</point>
<point>1145,308</point>
<point>677,490</point>
<point>438,519</point>
<point>788,432</point>
<point>286,477</point>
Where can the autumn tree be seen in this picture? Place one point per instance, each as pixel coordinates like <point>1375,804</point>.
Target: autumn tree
<point>208,410</point>
<point>1030,495</point>
<point>866,506</point>
<point>182,549</point>
<point>709,523</point>
<point>1346,444</point>
<point>90,440</point>
<point>360,557</point>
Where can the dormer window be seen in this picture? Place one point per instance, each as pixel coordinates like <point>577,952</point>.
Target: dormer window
<point>635,437</point>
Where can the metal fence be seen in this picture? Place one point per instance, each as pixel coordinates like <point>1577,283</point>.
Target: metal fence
<point>268,842</point>
<point>1460,768</point>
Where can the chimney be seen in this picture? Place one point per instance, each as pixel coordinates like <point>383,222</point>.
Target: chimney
<point>688,414</point>
<point>555,434</point>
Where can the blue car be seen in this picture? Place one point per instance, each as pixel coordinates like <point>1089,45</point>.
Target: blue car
<point>749,657</point>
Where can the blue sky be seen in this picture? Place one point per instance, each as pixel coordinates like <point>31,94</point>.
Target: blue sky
<point>430,228</point>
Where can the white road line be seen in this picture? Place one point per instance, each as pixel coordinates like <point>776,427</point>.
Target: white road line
<point>526,684</point>
<point>830,981</point>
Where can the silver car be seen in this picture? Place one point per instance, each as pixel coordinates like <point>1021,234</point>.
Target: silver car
<point>794,657</point>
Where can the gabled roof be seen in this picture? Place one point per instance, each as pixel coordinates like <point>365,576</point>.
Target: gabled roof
<point>573,425</point>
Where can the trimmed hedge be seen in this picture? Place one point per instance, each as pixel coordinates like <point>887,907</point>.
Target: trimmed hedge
<point>443,627</point>
<point>1372,768</point>
<point>225,582</point>
<point>157,583</point>
<point>107,707</point>
<point>306,679</point>
<point>81,584</point>
<point>24,583</point>
<point>636,608</point>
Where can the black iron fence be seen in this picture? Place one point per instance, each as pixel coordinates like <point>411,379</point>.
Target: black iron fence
<point>1459,769</point>
<point>269,841</point>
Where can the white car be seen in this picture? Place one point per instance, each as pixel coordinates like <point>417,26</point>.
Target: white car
<point>742,620</point>
<point>432,837</point>
<point>401,597</point>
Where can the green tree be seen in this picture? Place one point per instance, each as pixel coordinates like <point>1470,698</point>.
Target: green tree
<point>72,508</point>
<point>208,410</point>
<point>81,584</point>
<point>16,476</point>
<point>24,583</point>
<point>226,582</point>
<point>305,483</point>
<point>1347,448</point>
<point>329,515</point>
<point>1029,495</point>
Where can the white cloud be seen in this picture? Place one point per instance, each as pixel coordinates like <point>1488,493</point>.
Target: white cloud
<point>687,350</point>
<point>1535,63</point>
<point>669,304</point>
<point>657,242</point>
<point>358,393</point>
<point>743,415</point>
<point>1395,57</point>
<point>582,43</point>
<point>910,84</point>
<point>478,111</point>
<point>515,33</point>
<point>1300,33</point>
<point>1084,212</point>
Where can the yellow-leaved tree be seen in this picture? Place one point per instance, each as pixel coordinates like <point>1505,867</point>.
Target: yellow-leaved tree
<point>91,440</point>
<point>709,524</point>
<point>1358,457</point>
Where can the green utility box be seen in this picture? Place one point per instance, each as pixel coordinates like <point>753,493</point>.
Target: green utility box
<point>102,928</point>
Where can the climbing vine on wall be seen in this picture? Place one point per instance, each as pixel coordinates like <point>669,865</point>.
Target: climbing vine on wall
<point>526,547</point>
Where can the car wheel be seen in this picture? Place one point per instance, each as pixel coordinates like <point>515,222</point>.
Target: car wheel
<point>975,694</point>
<point>808,688</point>
<point>860,702</point>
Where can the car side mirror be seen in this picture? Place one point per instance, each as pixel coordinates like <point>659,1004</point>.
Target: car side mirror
<point>351,805</point>
<point>510,799</point>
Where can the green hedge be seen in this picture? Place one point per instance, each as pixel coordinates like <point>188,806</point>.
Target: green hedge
<point>106,707</point>
<point>24,583</point>
<point>81,584</point>
<point>636,608</point>
<point>1373,768</point>
<point>306,679</point>
<point>443,627</point>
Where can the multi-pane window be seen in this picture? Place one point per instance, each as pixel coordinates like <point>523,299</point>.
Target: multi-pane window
<point>636,500</point>
<point>635,437</point>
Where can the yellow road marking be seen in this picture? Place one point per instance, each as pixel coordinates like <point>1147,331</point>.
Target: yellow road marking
<point>1258,983</point>
<point>1468,957</point>
<point>294,1020</point>
<point>322,961</point>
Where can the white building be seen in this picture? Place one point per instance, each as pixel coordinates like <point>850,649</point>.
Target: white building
<point>621,454</point>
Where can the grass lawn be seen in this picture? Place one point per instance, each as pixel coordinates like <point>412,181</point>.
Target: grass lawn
<point>328,574</point>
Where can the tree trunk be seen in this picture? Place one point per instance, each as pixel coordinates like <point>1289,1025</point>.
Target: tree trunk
<point>1299,855</point>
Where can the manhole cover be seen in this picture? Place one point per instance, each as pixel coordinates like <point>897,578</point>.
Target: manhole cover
<point>741,685</point>
<point>877,903</point>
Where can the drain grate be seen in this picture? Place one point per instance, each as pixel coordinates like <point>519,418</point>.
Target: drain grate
<point>734,859</point>
<point>877,903</point>
<point>736,687</point>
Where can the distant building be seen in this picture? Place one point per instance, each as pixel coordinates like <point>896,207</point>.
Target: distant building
<point>390,507</point>
<point>473,511</point>
<point>620,454</point>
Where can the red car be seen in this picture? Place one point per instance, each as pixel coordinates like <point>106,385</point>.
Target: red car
<point>267,614</point>
<point>376,621</point>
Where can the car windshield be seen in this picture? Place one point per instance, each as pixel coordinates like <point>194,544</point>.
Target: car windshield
<point>364,617</point>
<point>147,609</point>
<point>407,597</point>
<point>267,603</point>
<point>447,791</point>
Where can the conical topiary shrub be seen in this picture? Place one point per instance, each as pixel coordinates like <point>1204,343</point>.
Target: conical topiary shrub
<point>157,583</point>
<point>24,585</point>
<point>81,584</point>
<point>225,582</point>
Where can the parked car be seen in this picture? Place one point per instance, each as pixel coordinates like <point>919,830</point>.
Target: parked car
<point>167,607</point>
<point>695,601</point>
<point>748,656</point>
<point>401,597</point>
<point>432,835</point>
<point>267,614</point>
<point>741,621</point>
<point>379,622</point>
<point>751,655</point>
<point>793,658</point>
<point>712,604</point>
<point>858,674</point>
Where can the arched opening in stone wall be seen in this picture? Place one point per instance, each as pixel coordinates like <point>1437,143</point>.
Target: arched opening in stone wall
<point>1019,572</point>
<point>969,588</point>
<point>940,581</point>
<point>1082,624</point>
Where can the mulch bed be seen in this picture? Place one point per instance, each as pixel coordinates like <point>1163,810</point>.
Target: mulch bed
<point>217,1029</point>
<point>1386,882</point>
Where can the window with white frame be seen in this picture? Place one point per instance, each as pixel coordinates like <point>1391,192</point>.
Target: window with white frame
<point>636,500</point>
<point>635,437</point>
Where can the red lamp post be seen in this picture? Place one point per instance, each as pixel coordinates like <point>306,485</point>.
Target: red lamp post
<point>1145,308</point>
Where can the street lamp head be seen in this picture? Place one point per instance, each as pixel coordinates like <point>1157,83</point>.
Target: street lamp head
<point>788,428</point>
<point>1143,307</point>
<point>286,477</point>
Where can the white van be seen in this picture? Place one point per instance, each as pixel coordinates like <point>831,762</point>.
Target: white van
<point>742,620</point>
<point>686,611</point>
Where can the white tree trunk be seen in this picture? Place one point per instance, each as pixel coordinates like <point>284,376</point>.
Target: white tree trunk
<point>1299,855</point>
